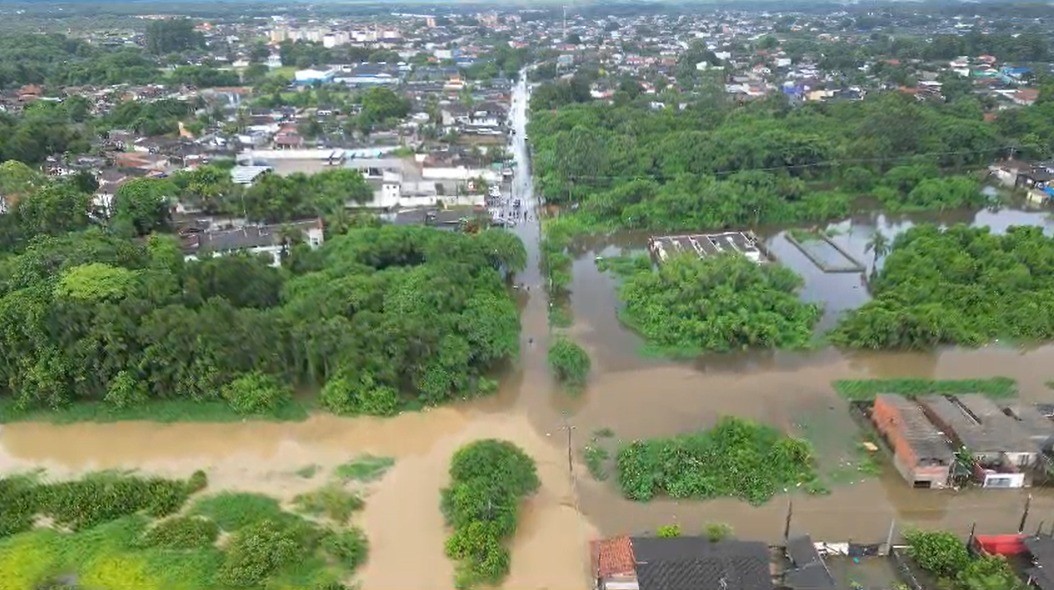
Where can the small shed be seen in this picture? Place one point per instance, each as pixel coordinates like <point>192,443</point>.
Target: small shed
<point>921,452</point>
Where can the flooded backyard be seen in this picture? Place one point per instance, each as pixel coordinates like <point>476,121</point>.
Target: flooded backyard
<point>629,393</point>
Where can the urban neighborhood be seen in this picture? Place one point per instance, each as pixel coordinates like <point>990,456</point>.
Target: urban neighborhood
<point>598,296</point>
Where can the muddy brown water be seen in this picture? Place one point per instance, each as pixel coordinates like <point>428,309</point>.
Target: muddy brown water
<point>629,393</point>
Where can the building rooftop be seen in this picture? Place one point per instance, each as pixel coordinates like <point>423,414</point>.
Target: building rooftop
<point>925,439</point>
<point>810,572</point>
<point>979,423</point>
<point>703,245</point>
<point>696,563</point>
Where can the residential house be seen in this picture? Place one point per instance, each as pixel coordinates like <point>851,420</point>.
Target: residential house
<point>247,175</point>
<point>806,570</point>
<point>1001,448</point>
<point>921,453</point>
<point>682,563</point>
<point>271,240</point>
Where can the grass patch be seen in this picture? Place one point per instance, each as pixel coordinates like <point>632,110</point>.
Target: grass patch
<point>308,471</point>
<point>331,501</point>
<point>187,532</point>
<point>365,468</point>
<point>560,316</point>
<point>236,510</point>
<point>867,389</point>
<point>596,459</point>
<point>165,411</point>
<point>623,266</point>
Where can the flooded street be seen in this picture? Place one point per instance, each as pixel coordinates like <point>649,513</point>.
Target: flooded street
<point>633,395</point>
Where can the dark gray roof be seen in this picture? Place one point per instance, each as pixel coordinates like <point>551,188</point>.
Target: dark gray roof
<point>925,439</point>
<point>979,423</point>
<point>1033,421</point>
<point>1042,549</point>
<point>695,563</point>
<point>809,571</point>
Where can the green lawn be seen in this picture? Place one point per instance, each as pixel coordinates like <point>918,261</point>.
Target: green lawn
<point>867,389</point>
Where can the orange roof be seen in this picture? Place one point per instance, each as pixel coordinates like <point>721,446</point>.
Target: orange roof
<point>612,556</point>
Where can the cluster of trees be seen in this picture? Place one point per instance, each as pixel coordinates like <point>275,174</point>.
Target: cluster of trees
<point>93,315</point>
<point>942,554</point>
<point>957,286</point>
<point>503,61</point>
<point>488,481</point>
<point>712,166</point>
<point>717,303</point>
<point>736,458</point>
<point>31,58</point>
<point>172,36</point>
<point>150,118</point>
<point>45,129</point>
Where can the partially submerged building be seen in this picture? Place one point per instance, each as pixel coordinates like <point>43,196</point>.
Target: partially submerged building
<point>921,452</point>
<point>706,245</point>
<point>807,570</point>
<point>1002,450</point>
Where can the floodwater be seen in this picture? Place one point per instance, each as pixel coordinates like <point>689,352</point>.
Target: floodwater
<point>631,394</point>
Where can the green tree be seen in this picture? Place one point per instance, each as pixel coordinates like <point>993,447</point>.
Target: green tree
<point>569,362</point>
<point>141,206</point>
<point>172,35</point>
<point>938,552</point>
<point>878,245</point>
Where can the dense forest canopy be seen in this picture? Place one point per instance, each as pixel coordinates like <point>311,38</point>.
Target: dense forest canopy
<point>717,166</point>
<point>380,316</point>
<point>958,286</point>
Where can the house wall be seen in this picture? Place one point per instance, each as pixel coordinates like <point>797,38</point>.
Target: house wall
<point>460,173</point>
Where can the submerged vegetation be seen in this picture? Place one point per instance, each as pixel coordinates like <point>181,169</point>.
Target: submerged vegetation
<point>569,362</point>
<point>867,389</point>
<point>963,286</point>
<point>737,458</point>
<point>720,303</point>
<point>488,480</point>
<point>943,555</point>
<point>115,531</point>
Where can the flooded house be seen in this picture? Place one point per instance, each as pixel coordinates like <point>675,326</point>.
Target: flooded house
<point>681,563</point>
<point>806,569</point>
<point>1002,450</point>
<point>921,452</point>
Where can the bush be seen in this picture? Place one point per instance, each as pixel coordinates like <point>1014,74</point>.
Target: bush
<point>256,393</point>
<point>348,547</point>
<point>364,468</point>
<point>198,481</point>
<point>669,531</point>
<point>257,551</point>
<point>489,478</point>
<point>348,395</point>
<point>717,531</point>
<point>125,391</point>
<point>867,389</point>
<point>596,457</point>
<point>938,552</point>
<point>569,362</point>
<point>710,464</point>
<point>187,532</point>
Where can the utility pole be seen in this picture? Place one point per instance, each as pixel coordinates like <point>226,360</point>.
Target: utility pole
<point>1024,515</point>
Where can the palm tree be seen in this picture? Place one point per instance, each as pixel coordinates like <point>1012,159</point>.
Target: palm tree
<point>879,246</point>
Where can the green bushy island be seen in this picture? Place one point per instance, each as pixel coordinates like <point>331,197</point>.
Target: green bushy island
<point>488,481</point>
<point>738,458</point>
<point>720,303</point>
<point>125,532</point>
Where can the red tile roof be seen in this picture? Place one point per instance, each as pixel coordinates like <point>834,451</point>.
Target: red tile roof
<point>612,556</point>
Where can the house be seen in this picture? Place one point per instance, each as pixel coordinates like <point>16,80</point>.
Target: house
<point>681,563</point>
<point>271,240</point>
<point>807,570</point>
<point>30,92</point>
<point>1041,550</point>
<point>921,453</point>
<point>309,77</point>
<point>367,75</point>
<point>1025,96</point>
<point>1000,447</point>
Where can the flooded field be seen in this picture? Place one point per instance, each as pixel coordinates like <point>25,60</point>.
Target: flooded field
<point>632,395</point>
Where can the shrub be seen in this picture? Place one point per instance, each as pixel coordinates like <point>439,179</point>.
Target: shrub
<point>497,460</point>
<point>349,547</point>
<point>125,391</point>
<point>187,532</point>
<point>103,497</point>
<point>331,500</point>
<point>595,459</point>
<point>669,531</point>
<point>257,551</point>
<point>255,393</point>
<point>348,394</point>
<point>938,552</point>
<point>198,481</point>
<point>717,531</point>
<point>569,362</point>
